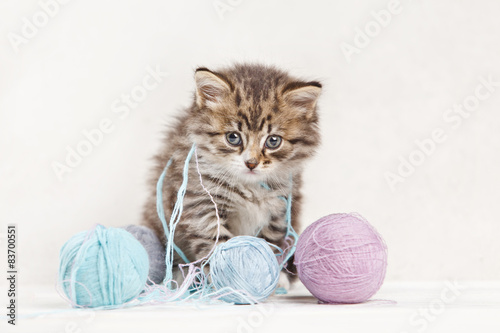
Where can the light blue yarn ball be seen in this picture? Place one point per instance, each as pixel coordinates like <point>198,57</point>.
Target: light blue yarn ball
<point>103,267</point>
<point>246,264</point>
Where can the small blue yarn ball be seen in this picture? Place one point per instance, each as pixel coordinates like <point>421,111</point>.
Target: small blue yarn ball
<point>246,264</point>
<point>103,267</point>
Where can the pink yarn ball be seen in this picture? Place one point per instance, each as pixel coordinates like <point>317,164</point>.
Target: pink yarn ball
<point>341,258</point>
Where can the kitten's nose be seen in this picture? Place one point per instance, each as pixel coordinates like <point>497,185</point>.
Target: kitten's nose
<point>252,163</point>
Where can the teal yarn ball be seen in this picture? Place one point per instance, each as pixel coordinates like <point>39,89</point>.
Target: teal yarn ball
<point>245,264</point>
<point>102,267</point>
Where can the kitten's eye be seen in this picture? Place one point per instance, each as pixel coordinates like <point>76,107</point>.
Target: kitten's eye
<point>233,138</point>
<point>273,141</point>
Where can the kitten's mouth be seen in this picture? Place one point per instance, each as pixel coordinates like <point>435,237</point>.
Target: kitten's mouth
<point>251,176</point>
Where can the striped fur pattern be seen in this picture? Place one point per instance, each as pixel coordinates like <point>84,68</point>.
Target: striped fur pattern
<point>251,124</point>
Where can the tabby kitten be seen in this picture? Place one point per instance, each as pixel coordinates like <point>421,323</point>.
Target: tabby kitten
<point>252,124</point>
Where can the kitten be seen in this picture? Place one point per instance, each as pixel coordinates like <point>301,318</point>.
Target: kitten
<point>252,124</point>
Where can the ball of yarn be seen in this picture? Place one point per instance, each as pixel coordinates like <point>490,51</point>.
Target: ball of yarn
<point>102,267</point>
<point>245,264</point>
<point>155,249</point>
<point>341,258</point>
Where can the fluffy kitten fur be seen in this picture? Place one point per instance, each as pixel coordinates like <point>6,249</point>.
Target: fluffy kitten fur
<point>254,102</point>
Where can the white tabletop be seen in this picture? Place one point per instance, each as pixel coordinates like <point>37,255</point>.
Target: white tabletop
<point>445,306</point>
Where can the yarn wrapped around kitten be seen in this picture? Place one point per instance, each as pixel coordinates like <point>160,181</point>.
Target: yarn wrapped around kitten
<point>341,258</point>
<point>102,267</point>
<point>246,265</point>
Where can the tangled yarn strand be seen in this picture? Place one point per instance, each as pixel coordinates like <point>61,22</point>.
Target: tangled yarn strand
<point>176,214</point>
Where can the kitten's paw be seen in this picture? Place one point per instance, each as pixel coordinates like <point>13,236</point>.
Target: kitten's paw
<point>283,284</point>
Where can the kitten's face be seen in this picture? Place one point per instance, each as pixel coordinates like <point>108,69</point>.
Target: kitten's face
<point>255,124</point>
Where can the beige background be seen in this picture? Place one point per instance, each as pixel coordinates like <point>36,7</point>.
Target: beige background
<point>442,222</point>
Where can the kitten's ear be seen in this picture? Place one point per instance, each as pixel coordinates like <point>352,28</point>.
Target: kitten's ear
<point>211,87</point>
<point>302,95</point>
